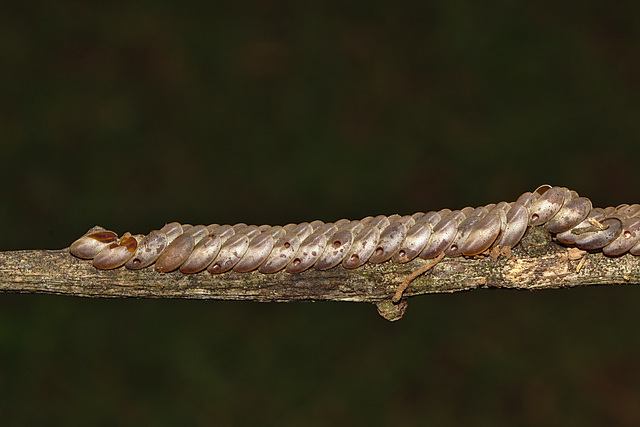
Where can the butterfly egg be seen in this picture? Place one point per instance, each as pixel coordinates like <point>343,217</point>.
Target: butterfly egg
<point>250,231</point>
<point>230,254</point>
<point>117,253</point>
<point>149,249</point>
<point>629,211</point>
<point>517,221</point>
<point>90,245</point>
<point>525,199</point>
<point>407,221</point>
<point>629,236</point>
<point>570,214</point>
<point>541,190</point>
<point>479,212</point>
<point>394,217</point>
<point>620,208</point>
<point>302,230</point>
<point>259,249</point>
<point>569,237</point>
<point>367,220</point>
<point>466,211</point>
<point>284,250</point>
<point>276,231</point>
<point>418,216</point>
<point>635,249</point>
<point>338,246</point>
<point>444,211</point>
<point>339,223</point>
<point>546,206</point>
<point>609,231</point>
<point>289,227</point>
<point>432,218</point>
<point>315,224</point>
<point>443,234</point>
<point>609,210</point>
<point>380,222</point>
<point>264,227</point>
<point>172,230</point>
<point>203,254</point>
<point>212,227</point>
<point>186,227</point>
<point>505,206</point>
<point>308,252</point>
<point>327,229</point>
<point>415,241</point>
<point>198,232</point>
<point>390,240</point>
<point>364,243</point>
<point>223,231</point>
<point>464,229</point>
<point>483,235</point>
<point>353,226</point>
<point>176,253</point>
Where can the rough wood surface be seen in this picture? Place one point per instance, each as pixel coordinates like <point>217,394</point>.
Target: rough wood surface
<point>536,263</point>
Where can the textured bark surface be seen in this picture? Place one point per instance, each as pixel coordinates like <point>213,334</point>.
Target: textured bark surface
<point>536,263</point>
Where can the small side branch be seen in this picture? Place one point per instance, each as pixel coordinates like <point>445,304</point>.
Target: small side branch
<point>537,263</point>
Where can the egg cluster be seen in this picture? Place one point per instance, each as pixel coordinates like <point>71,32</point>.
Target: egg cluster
<point>297,247</point>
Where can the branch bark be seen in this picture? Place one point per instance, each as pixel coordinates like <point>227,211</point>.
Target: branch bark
<point>536,263</point>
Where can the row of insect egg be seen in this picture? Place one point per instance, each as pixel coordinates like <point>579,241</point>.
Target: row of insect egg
<point>297,247</point>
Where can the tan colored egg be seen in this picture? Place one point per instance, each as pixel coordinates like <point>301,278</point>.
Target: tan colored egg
<point>250,231</point>
<point>337,248</point>
<point>417,217</point>
<point>302,230</point>
<point>90,245</point>
<point>483,235</point>
<point>467,211</point>
<point>198,232</point>
<point>276,231</point>
<point>203,254</point>
<point>525,199</point>
<point>571,214</point>
<point>569,237</point>
<point>353,226</point>
<point>176,253</point>
<point>443,234</point>
<point>148,251</point>
<point>231,252</point>
<point>415,241</point>
<point>598,239</point>
<point>339,223</point>
<point>117,253</point>
<point>390,240</point>
<point>517,222</point>
<point>315,224</point>
<point>546,206</point>
<point>172,230</point>
<point>224,231</point>
<point>629,211</point>
<point>364,243</point>
<point>380,222</point>
<point>284,251</point>
<point>259,249</point>
<point>432,218</point>
<point>327,229</point>
<point>308,253</point>
<point>464,229</point>
<point>629,236</point>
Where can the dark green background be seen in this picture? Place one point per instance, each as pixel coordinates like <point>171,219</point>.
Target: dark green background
<point>133,114</point>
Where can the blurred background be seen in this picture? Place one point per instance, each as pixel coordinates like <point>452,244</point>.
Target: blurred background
<point>133,114</point>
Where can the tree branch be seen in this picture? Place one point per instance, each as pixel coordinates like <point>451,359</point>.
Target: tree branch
<point>536,263</point>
